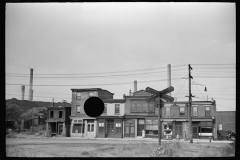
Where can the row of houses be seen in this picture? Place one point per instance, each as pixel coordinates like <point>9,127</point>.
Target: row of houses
<point>133,117</point>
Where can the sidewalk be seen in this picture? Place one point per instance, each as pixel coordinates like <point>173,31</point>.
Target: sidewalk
<point>146,139</point>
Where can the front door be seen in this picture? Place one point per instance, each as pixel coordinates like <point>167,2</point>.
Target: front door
<point>178,131</point>
<point>90,128</point>
<point>129,128</point>
<point>60,129</point>
<point>110,128</point>
<point>140,127</point>
<point>195,131</point>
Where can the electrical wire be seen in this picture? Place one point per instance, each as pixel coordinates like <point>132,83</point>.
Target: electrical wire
<point>180,88</point>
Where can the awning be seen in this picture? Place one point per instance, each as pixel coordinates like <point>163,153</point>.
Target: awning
<point>112,117</point>
<point>208,120</point>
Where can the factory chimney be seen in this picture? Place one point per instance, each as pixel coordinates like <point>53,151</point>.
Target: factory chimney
<point>22,90</point>
<point>169,77</point>
<point>135,86</point>
<point>30,97</point>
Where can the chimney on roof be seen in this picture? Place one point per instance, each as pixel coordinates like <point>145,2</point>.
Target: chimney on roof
<point>135,86</point>
<point>22,90</point>
<point>130,93</point>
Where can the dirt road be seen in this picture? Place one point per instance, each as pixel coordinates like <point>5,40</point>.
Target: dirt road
<point>102,148</point>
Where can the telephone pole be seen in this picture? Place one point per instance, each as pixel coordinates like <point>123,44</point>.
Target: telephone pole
<point>190,105</point>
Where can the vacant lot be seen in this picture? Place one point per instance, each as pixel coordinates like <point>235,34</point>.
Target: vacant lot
<point>101,148</point>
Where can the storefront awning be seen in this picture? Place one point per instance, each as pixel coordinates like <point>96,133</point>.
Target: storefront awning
<point>199,119</point>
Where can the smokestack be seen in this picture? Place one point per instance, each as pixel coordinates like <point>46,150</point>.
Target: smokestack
<point>135,86</point>
<point>32,95</point>
<point>130,93</point>
<point>169,77</point>
<point>30,85</point>
<point>22,90</point>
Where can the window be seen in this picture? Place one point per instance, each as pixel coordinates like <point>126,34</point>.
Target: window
<point>167,111</point>
<point>78,96</point>
<point>133,108</point>
<point>118,127</point>
<point>91,94</point>
<point>51,114</point>
<point>220,127</point>
<point>117,108</point>
<point>195,111</point>
<point>105,108</point>
<point>182,111</point>
<point>151,108</point>
<point>145,107</point>
<point>78,108</point>
<point>207,111</point>
<point>152,127</point>
<point>60,114</point>
<point>101,127</point>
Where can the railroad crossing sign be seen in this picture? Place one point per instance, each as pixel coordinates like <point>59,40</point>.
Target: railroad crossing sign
<point>160,94</point>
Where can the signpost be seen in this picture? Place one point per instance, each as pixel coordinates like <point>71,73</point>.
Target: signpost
<point>159,95</point>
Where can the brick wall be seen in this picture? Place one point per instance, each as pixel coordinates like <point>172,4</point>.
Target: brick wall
<point>227,119</point>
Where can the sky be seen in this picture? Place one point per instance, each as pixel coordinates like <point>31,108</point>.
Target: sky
<point>109,45</point>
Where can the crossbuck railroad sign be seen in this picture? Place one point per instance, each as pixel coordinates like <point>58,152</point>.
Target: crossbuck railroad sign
<point>160,94</point>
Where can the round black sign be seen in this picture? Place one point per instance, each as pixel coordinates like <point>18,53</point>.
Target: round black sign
<point>93,107</point>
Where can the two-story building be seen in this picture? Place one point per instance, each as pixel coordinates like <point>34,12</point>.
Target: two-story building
<point>110,123</point>
<point>81,124</point>
<point>58,120</point>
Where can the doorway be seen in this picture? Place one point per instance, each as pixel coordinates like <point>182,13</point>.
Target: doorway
<point>178,130</point>
<point>195,131</point>
<point>90,128</point>
<point>140,127</point>
<point>130,128</point>
<point>60,128</point>
<point>110,124</point>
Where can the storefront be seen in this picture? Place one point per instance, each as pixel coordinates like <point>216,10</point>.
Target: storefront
<point>110,127</point>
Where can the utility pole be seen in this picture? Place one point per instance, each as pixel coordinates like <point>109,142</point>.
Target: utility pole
<point>159,104</point>
<point>190,105</point>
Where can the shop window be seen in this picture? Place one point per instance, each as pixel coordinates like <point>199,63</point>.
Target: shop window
<point>195,111</point>
<point>182,111</point>
<point>78,96</point>
<point>117,108</point>
<point>207,111</point>
<point>51,114</point>
<point>167,111</point>
<point>105,108</point>
<point>152,127</point>
<point>78,108</point>
<point>78,128</point>
<point>220,127</point>
<point>118,127</point>
<point>60,114</point>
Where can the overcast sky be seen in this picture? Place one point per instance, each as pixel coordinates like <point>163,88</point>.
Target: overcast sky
<point>140,39</point>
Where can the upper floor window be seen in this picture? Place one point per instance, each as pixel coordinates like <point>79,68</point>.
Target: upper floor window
<point>167,111</point>
<point>105,108</point>
<point>139,107</point>
<point>91,94</point>
<point>60,114</point>
<point>207,111</point>
<point>117,108</point>
<point>195,111</point>
<point>78,96</point>
<point>51,114</point>
<point>220,127</point>
<point>151,107</point>
<point>182,111</point>
<point>78,108</point>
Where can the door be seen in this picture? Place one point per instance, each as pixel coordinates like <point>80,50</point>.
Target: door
<point>90,128</point>
<point>129,128</point>
<point>140,127</point>
<point>178,131</point>
<point>110,128</point>
<point>195,131</point>
<point>60,129</point>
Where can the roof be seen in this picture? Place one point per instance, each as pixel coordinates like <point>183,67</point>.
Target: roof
<point>141,93</point>
<point>114,101</point>
<point>86,89</point>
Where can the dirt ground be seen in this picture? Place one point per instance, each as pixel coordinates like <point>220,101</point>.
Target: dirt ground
<point>49,147</point>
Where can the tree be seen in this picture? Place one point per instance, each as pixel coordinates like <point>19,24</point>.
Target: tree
<point>13,112</point>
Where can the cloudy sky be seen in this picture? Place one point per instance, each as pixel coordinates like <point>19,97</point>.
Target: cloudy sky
<point>109,45</point>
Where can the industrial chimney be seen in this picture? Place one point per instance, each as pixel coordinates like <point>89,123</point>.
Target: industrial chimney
<point>22,90</point>
<point>30,97</point>
<point>169,77</point>
<point>135,86</point>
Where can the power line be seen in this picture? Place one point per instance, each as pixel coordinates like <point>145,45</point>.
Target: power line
<point>180,88</point>
<point>103,72</point>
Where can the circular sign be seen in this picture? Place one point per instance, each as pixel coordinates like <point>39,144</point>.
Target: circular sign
<point>93,107</point>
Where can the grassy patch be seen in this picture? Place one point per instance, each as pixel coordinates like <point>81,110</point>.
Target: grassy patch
<point>12,152</point>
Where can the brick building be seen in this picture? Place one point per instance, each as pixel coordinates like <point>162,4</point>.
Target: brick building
<point>81,124</point>
<point>226,120</point>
